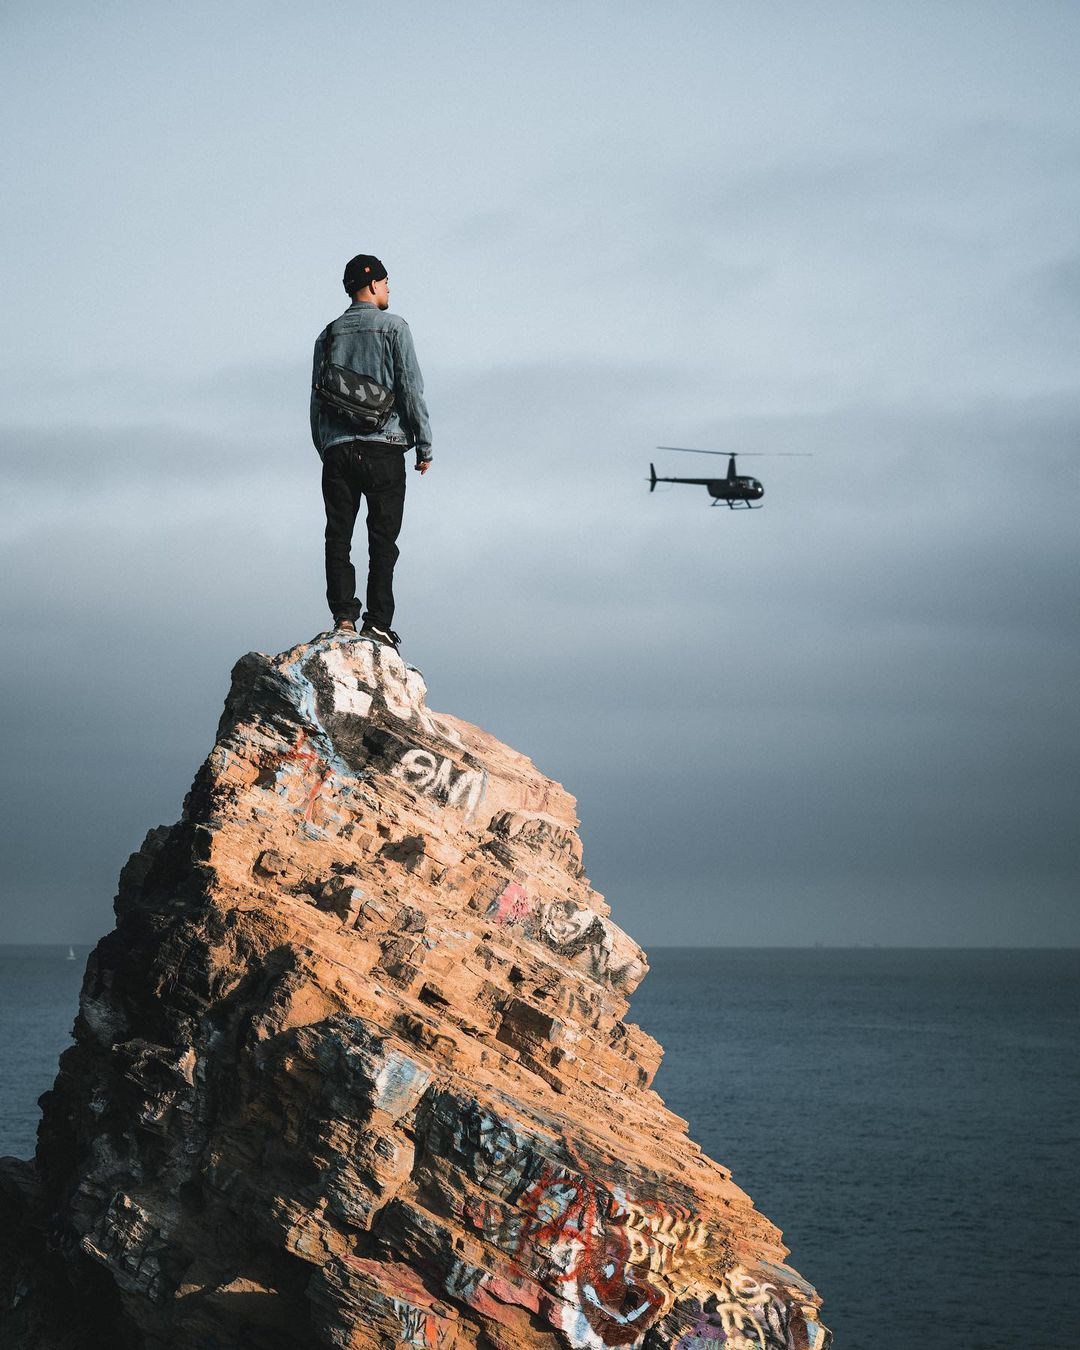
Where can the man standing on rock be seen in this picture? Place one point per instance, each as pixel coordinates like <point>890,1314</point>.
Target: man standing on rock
<point>363,447</point>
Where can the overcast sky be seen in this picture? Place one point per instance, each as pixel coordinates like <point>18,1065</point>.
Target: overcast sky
<point>849,229</point>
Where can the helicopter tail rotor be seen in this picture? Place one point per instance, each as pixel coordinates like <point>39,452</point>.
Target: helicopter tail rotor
<point>652,477</point>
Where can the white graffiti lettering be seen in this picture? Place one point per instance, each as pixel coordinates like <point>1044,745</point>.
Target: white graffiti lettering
<point>348,696</point>
<point>418,766</point>
<point>438,777</point>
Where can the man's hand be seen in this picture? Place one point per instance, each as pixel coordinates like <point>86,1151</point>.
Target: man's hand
<point>423,465</point>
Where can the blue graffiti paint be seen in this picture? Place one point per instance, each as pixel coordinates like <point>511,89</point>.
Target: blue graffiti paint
<point>305,703</point>
<point>399,1083</point>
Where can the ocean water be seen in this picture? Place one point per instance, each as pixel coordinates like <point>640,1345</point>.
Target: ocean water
<point>910,1119</point>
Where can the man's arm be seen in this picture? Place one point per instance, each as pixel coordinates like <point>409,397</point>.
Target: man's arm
<point>409,395</point>
<point>315,404</point>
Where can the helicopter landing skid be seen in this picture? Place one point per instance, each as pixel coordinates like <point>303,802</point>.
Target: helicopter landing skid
<point>735,506</point>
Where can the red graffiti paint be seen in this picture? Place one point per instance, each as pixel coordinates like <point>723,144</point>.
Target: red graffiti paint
<point>579,1223</point>
<point>302,754</point>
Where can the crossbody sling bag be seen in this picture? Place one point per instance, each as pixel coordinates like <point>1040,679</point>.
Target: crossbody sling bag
<point>363,401</point>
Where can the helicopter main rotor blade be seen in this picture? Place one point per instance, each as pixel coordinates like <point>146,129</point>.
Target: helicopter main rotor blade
<point>689,450</point>
<point>741,454</point>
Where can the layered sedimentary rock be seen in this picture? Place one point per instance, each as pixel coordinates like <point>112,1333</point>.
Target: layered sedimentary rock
<point>354,1069</point>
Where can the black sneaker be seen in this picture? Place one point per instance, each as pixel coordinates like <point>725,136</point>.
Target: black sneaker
<point>386,636</point>
<point>344,626</point>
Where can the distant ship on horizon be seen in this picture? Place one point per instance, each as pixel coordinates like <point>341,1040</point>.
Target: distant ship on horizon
<point>71,953</point>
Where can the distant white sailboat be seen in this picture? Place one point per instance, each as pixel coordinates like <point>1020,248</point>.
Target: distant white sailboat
<point>71,954</point>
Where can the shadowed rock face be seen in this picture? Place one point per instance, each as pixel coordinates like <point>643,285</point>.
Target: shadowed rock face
<point>352,1069</point>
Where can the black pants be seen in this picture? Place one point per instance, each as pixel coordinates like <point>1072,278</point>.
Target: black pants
<point>352,470</point>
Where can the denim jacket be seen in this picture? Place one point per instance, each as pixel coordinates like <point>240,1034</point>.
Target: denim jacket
<point>374,342</point>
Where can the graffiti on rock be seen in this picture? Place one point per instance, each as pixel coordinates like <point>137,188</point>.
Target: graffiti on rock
<point>364,675</point>
<point>572,930</point>
<point>349,692</point>
<point>398,1084</point>
<point>661,1236</point>
<point>512,906</point>
<point>746,1313</point>
<point>437,776</point>
<point>593,1249</point>
<point>420,1327</point>
<point>302,760</point>
<point>487,1148</point>
<point>605,1300</point>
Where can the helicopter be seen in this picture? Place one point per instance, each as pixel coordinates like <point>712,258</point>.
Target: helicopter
<point>736,490</point>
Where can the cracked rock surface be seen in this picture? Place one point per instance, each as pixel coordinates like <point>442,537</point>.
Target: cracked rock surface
<point>353,1069</point>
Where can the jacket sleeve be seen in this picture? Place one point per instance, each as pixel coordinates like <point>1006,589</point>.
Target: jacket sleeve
<point>409,394</point>
<point>316,406</point>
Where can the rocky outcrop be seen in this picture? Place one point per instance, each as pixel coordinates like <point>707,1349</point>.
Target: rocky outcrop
<point>353,1068</point>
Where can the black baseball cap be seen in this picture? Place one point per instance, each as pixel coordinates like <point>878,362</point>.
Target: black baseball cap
<point>361,271</point>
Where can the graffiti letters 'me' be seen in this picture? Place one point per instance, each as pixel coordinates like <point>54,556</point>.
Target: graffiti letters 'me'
<point>436,776</point>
